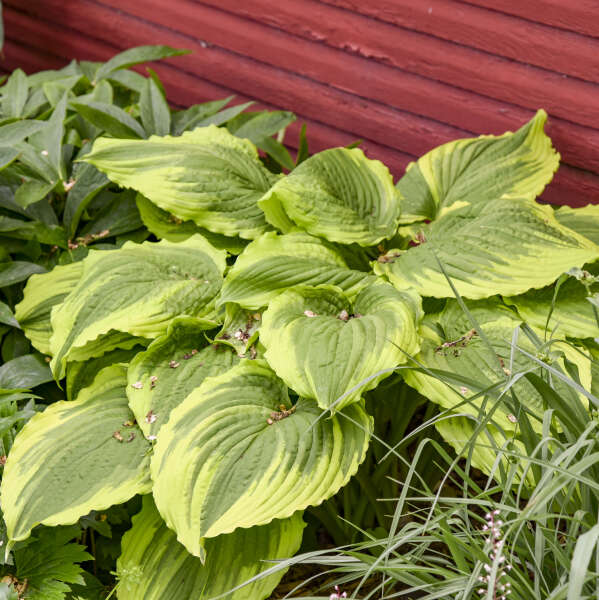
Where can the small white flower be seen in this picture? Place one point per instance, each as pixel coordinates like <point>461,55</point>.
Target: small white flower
<point>309,313</point>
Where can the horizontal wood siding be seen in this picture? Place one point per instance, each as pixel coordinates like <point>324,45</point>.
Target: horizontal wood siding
<point>403,75</point>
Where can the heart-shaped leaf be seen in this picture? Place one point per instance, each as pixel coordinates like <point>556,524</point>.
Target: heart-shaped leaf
<point>505,247</point>
<point>134,292</point>
<point>477,171</point>
<point>164,569</point>
<point>236,453</point>
<point>323,345</point>
<point>338,194</point>
<point>572,314</point>
<point>73,458</point>
<point>207,175</point>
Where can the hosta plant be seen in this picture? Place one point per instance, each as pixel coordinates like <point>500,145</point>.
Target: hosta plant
<point>220,367</point>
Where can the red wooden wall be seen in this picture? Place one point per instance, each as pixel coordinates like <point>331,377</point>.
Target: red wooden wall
<point>403,75</point>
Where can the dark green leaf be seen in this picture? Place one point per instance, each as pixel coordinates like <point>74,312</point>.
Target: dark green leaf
<point>14,95</point>
<point>88,182</point>
<point>120,216</point>
<point>13,272</point>
<point>7,317</point>
<point>7,155</point>
<point>33,230</point>
<point>128,79</point>
<point>32,191</point>
<point>277,151</point>
<point>154,111</point>
<point>25,372</point>
<point>112,119</point>
<point>18,131</point>
<point>135,56</point>
<point>224,115</point>
<point>185,120</point>
<point>262,124</point>
<point>302,149</point>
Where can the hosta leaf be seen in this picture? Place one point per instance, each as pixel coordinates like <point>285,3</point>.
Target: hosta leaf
<point>240,329</point>
<point>219,465</point>
<point>584,220</point>
<point>338,194</point>
<point>166,226</point>
<point>482,449</point>
<point>207,175</point>
<point>466,366</point>
<point>179,360</point>
<point>323,345</point>
<point>506,247</point>
<point>165,570</point>
<point>273,262</point>
<point>573,315</point>
<point>67,461</point>
<point>135,291</point>
<point>479,170</point>
<point>82,374</point>
<point>43,292</point>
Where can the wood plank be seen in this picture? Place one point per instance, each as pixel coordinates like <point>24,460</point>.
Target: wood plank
<point>472,26</point>
<point>185,89</point>
<point>578,145</point>
<point>493,76</point>
<point>570,186</point>
<point>581,16</point>
<point>363,118</point>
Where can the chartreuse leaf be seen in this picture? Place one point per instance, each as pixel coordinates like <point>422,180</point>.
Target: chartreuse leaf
<point>466,366</point>
<point>584,220</point>
<point>459,432</point>
<point>135,291</point>
<point>166,226</point>
<point>470,172</point>
<point>42,292</point>
<point>273,262</point>
<point>163,569</point>
<point>179,361</point>
<point>207,175</point>
<point>323,345</point>
<point>505,247</point>
<point>572,314</point>
<point>338,194</point>
<point>68,461</point>
<point>236,454</point>
<point>240,328</point>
